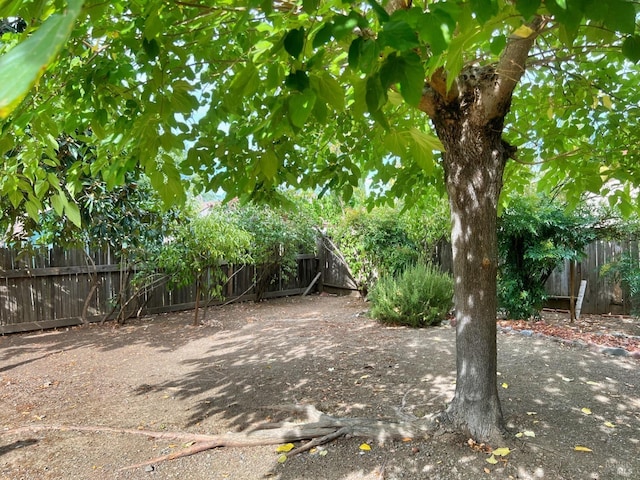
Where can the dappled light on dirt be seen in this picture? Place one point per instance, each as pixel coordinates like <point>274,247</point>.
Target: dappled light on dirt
<point>160,374</point>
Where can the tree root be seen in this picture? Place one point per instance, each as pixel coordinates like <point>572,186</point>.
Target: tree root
<point>317,429</point>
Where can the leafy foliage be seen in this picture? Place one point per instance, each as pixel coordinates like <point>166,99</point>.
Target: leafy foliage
<point>195,252</point>
<point>374,243</point>
<point>277,237</point>
<point>420,296</point>
<point>535,236</point>
<point>627,271</point>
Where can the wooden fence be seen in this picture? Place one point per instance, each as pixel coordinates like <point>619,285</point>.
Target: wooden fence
<point>54,288</point>
<point>603,294</point>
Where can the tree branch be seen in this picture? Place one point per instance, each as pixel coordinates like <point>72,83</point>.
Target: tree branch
<point>511,67</point>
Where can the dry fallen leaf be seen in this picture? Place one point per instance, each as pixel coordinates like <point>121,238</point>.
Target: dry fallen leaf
<point>365,446</point>
<point>529,433</point>
<point>505,385</point>
<point>586,411</point>
<point>323,453</point>
<point>287,447</point>
<point>502,452</point>
<point>492,460</point>
<point>609,424</point>
<point>580,448</point>
<point>486,470</point>
<point>519,434</point>
<point>282,458</point>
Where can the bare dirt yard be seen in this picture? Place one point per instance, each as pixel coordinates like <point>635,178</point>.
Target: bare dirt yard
<point>73,401</point>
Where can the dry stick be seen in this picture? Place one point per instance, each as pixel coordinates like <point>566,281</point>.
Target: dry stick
<point>319,441</point>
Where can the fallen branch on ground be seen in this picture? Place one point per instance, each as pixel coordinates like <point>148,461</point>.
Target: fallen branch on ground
<point>318,428</point>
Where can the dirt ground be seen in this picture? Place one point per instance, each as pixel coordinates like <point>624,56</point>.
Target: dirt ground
<point>158,373</point>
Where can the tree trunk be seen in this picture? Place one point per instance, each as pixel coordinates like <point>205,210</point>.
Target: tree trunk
<point>474,164</point>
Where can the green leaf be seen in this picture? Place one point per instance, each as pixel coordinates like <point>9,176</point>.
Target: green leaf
<point>310,6</point>
<point>382,14</point>
<point>22,66</point>
<point>151,48</point>
<point>527,7</point>
<point>329,90</point>
<point>436,29</point>
<point>376,95</point>
<point>323,35</point>
<point>412,78</point>
<point>631,48</point>
<point>354,52</point>
<point>497,44</point>
<point>269,164</point>
<point>617,15</point>
<point>58,202</point>
<point>294,42</point>
<point>298,80</point>
<point>398,35</point>
<point>72,212</point>
<point>300,107</point>
<point>32,210</point>
<point>484,9</point>
<point>245,82</point>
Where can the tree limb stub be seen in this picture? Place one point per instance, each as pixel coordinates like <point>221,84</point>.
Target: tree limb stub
<point>319,429</point>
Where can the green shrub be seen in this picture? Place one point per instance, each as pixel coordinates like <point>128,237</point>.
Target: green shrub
<point>420,296</point>
<point>626,270</point>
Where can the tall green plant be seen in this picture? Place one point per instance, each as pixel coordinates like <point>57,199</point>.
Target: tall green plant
<point>198,248</point>
<point>375,243</point>
<point>627,271</point>
<point>535,236</point>
<point>278,236</point>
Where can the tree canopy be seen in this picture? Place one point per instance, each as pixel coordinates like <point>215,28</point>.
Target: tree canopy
<point>261,94</point>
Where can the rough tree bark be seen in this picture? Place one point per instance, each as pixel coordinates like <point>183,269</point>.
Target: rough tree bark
<point>469,120</point>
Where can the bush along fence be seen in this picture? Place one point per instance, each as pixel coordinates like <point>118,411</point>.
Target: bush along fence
<point>63,287</point>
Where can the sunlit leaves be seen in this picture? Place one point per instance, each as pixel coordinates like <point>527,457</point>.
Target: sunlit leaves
<point>21,68</point>
<point>398,35</point>
<point>300,107</point>
<point>329,90</point>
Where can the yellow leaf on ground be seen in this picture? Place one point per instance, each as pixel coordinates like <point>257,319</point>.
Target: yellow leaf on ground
<point>502,452</point>
<point>609,424</point>
<point>580,448</point>
<point>505,385</point>
<point>282,458</point>
<point>365,446</point>
<point>323,453</point>
<point>519,434</point>
<point>287,447</point>
<point>586,411</point>
<point>529,433</point>
<point>313,450</point>
<point>492,460</point>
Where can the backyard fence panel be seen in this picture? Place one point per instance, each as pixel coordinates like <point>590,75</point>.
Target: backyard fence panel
<point>604,293</point>
<point>48,288</point>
